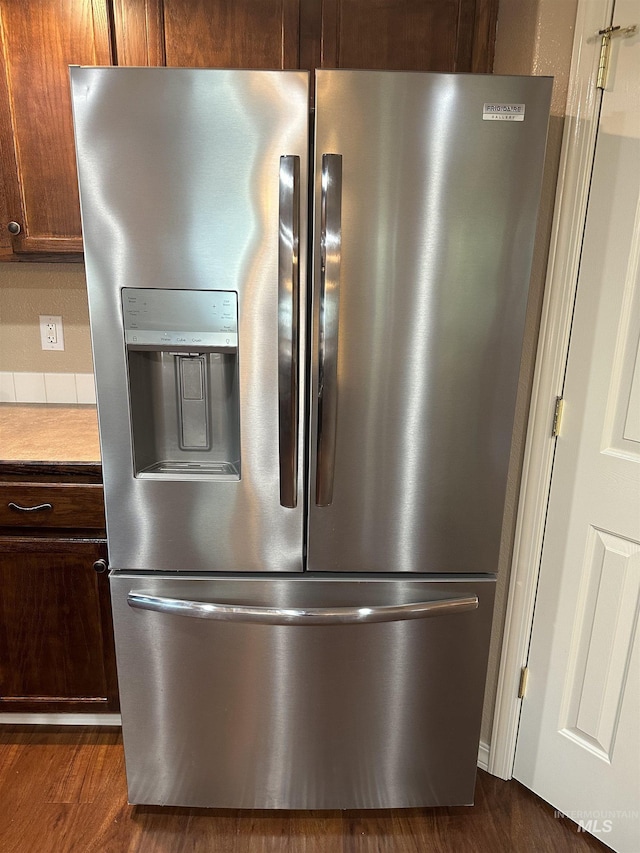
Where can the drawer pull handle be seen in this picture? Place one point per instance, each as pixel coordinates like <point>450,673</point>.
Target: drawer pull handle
<point>226,612</point>
<point>38,508</point>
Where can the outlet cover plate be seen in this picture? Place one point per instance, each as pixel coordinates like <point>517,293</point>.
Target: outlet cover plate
<point>51,334</point>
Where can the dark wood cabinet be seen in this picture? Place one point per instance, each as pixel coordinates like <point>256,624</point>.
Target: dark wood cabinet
<point>39,505</point>
<point>55,626</point>
<point>56,634</point>
<point>410,35</point>
<point>39,206</point>
<point>39,210</point>
<point>231,34</point>
<point>407,35</point>
<point>208,33</point>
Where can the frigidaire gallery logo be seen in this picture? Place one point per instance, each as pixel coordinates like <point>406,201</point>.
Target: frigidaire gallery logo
<point>597,821</point>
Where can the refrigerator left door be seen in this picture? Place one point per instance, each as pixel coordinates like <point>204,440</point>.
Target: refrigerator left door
<point>194,207</point>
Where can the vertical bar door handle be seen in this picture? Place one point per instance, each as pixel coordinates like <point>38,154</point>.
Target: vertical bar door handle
<point>330,258</point>
<point>288,323</point>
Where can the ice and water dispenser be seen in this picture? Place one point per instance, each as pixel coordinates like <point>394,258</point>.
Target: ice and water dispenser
<point>182,353</point>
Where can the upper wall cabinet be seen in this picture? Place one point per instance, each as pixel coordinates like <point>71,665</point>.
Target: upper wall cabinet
<point>38,185</point>
<point>38,194</point>
<point>409,35</point>
<point>207,33</point>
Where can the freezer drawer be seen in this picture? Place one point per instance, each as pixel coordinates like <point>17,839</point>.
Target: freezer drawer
<point>332,709</point>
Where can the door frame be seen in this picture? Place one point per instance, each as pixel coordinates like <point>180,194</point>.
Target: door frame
<point>572,196</point>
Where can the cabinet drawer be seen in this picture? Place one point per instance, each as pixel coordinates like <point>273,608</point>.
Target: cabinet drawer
<point>51,505</point>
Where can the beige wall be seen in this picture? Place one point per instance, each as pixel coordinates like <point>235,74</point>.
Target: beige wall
<point>28,290</point>
<point>533,37</point>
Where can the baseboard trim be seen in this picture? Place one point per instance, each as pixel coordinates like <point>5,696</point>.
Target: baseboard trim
<point>483,755</point>
<point>28,719</point>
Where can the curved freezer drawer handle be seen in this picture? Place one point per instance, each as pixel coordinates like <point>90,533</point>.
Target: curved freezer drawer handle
<point>300,615</point>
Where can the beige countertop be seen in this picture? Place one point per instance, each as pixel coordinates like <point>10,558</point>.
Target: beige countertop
<point>48,433</point>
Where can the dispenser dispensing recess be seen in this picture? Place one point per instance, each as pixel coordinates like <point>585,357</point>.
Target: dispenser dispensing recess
<point>182,356</point>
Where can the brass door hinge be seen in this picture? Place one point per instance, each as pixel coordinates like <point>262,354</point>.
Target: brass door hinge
<point>605,48</point>
<point>557,417</point>
<point>522,687</point>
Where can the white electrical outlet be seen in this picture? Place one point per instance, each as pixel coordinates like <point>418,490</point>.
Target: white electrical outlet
<point>51,334</point>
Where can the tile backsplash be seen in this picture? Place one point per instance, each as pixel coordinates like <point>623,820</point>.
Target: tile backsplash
<point>26,387</point>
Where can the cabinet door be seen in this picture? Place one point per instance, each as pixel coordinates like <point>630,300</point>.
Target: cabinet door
<point>249,34</point>
<point>38,42</point>
<point>56,634</point>
<point>409,35</point>
<point>414,35</point>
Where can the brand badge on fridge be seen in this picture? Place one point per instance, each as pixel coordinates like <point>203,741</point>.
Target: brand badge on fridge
<point>503,112</point>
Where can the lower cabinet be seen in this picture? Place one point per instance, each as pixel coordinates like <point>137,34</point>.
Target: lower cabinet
<point>56,633</point>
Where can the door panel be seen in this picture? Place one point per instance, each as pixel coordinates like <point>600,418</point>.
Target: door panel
<point>433,244</point>
<point>242,34</point>
<point>38,187</point>
<point>180,178</point>
<point>241,715</point>
<point>407,35</point>
<point>578,744</point>
<point>208,33</point>
<point>56,636</point>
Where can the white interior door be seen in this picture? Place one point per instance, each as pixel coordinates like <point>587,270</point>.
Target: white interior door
<point>578,743</point>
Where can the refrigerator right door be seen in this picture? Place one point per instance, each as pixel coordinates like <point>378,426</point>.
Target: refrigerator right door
<point>426,197</point>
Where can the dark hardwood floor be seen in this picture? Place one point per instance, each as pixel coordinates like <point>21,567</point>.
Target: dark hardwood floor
<point>63,790</point>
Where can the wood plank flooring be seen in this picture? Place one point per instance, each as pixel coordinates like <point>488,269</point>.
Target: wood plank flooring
<point>63,790</point>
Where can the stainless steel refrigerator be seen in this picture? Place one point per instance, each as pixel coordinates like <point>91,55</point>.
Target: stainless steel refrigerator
<point>307,339</point>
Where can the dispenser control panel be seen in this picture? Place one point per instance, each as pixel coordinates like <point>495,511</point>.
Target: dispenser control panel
<point>193,319</point>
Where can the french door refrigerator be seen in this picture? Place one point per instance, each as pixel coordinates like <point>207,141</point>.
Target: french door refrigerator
<point>306,369</point>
